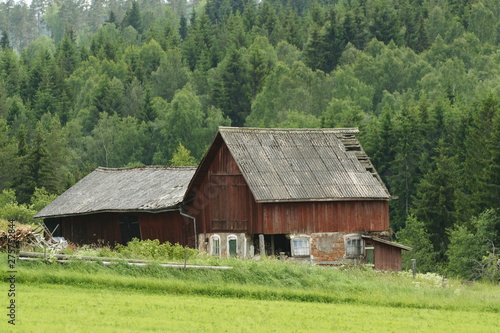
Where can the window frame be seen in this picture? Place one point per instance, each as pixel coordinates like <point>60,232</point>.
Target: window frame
<point>213,239</point>
<point>229,239</point>
<point>294,249</point>
<point>370,248</point>
<point>354,251</point>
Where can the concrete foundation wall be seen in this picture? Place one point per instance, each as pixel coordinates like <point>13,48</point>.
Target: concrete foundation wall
<point>244,246</point>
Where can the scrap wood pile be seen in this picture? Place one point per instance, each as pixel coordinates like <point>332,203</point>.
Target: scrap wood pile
<point>28,236</point>
<point>21,234</point>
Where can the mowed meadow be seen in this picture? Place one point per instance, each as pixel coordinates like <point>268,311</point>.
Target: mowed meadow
<point>255,296</point>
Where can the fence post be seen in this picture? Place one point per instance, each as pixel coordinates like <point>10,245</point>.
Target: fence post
<point>414,267</point>
<point>185,258</point>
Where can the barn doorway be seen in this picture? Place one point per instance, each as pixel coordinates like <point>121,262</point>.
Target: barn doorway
<point>275,245</point>
<point>129,228</point>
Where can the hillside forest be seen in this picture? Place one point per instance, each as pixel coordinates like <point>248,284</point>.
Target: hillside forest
<point>120,83</point>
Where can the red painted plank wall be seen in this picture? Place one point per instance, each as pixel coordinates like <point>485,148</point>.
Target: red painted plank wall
<point>224,202</point>
<point>104,227</point>
<point>91,229</point>
<point>387,258</point>
<point>308,217</point>
<point>166,227</point>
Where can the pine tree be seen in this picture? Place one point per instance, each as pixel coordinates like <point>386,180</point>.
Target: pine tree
<point>67,57</point>
<point>8,159</point>
<point>4,41</point>
<point>334,43</point>
<point>434,203</point>
<point>111,18</point>
<point>385,24</point>
<point>231,92</point>
<point>183,28</point>
<point>481,172</point>
<point>133,18</point>
<point>148,113</point>
<point>355,31</point>
<point>315,48</point>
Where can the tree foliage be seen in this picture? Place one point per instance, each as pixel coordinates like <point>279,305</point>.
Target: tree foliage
<point>118,83</point>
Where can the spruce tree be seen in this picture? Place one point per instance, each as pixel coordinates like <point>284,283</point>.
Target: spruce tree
<point>133,18</point>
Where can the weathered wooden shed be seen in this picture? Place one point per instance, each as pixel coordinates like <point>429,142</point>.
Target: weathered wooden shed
<point>308,194</point>
<point>112,206</point>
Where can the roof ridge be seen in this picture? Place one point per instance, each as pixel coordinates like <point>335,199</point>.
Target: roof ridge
<point>349,130</point>
<point>147,167</point>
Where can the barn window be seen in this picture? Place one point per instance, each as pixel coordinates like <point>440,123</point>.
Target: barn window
<point>353,245</point>
<point>232,245</point>
<point>300,246</point>
<point>215,245</point>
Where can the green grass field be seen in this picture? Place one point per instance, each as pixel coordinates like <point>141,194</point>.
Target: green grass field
<point>267,296</point>
<point>56,308</point>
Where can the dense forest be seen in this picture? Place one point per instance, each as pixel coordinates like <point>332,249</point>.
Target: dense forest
<point>123,83</point>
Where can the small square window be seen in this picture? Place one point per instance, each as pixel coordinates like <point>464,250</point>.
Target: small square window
<point>300,246</point>
<point>353,245</point>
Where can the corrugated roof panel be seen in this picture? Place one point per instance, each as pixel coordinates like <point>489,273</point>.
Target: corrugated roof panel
<point>273,152</point>
<point>307,178</point>
<point>315,191</point>
<point>279,192</point>
<point>316,164</point>
<point>262,164</point>
<point>296,191</point>
<point>271,178</point>
<point>302,164</point>
<point>298,164</point>
<point>290,178</point>
<point>291,152</point>
<point>281,165</point>
<point>257,178</point>
<point>332,191</point>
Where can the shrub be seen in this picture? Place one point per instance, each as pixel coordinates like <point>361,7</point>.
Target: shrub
<point>470,248</point>
<point>415,236</point>
<point>153,250</point>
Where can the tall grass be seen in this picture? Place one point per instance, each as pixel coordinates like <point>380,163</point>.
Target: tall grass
<point>272,280</point>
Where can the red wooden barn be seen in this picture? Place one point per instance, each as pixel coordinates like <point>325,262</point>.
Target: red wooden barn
<point>113,206</point>
<point>308,194</point>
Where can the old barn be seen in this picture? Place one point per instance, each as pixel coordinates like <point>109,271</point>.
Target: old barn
<point>308,194</point>
<point>112,206</point>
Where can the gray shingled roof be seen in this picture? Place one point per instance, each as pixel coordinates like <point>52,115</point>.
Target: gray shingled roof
<point>304,164</point>
<point>150,189</point>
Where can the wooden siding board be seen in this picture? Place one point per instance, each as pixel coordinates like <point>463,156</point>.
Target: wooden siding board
<point>312,217</point>
<point>387,258</point>
<point>104,227</point>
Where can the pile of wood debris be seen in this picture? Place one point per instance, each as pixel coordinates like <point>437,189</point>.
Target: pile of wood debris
<point>26,236</point>
<point>22,234</point>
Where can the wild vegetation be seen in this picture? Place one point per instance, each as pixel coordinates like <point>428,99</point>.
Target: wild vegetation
<point>123,83</point>
<point>266,295</point>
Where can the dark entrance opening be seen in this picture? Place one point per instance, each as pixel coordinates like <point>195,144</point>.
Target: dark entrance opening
<point>54,226</point>
<point>276,245</point>
<point>282,244</point>
<point>129,227</point>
